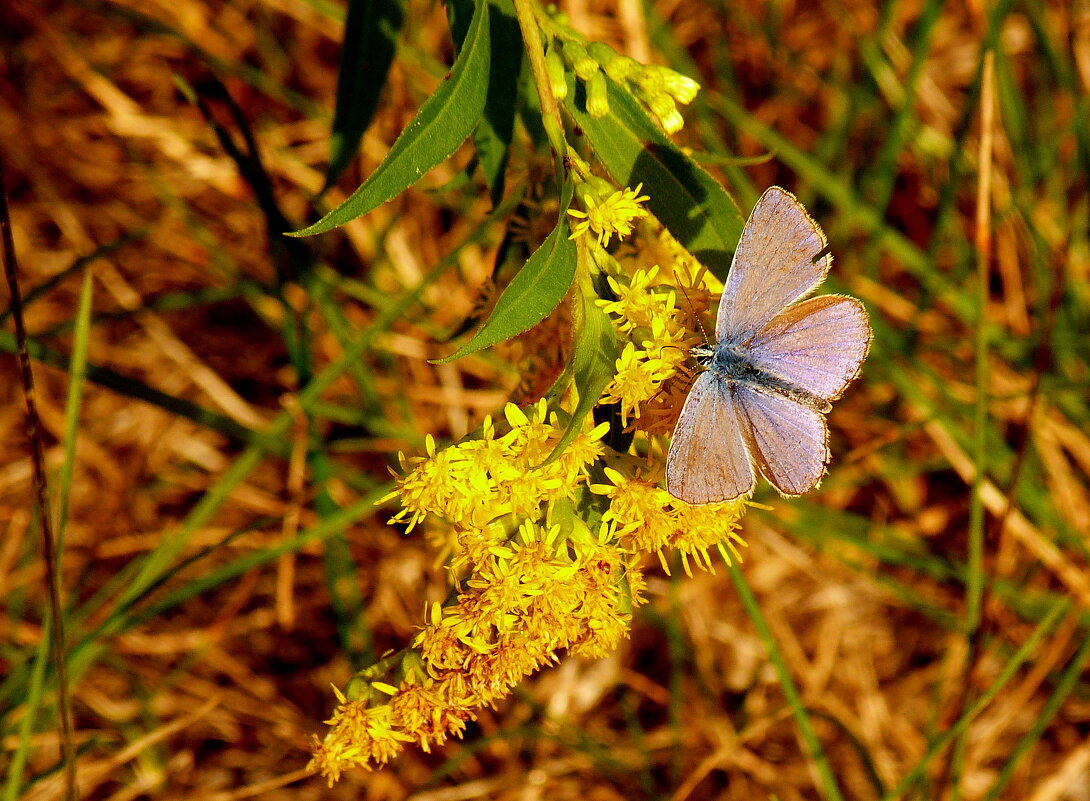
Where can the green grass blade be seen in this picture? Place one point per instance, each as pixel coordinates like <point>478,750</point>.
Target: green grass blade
<point>1069,679</point>
<point>147,573</point>
<point>829,788</point>
<point>217,576</point>
<point>1013,664</point>
<point>75,267</point>
<point>30,707</point>
<point>132,388</point>
<point>77,374</point>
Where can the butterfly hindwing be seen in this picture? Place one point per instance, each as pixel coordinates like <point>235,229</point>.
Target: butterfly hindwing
<point>708,461</point>
<point>788,441</point>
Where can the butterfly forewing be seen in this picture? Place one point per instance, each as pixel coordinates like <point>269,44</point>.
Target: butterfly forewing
<point>817,345</point>
<point>708,461</point>
<point>773,266</point>
<point>789,441</point>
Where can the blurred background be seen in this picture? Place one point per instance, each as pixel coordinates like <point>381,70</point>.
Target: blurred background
<point>161,147</point>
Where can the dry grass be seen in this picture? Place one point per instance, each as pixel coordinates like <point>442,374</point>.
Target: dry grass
<point>214,694</point>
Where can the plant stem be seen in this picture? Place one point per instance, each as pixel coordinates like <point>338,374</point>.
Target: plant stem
<point>550,111</point>
<point>45,524</point>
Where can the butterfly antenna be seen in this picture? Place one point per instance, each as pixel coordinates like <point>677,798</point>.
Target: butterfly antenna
<point>821,254</point>
<point>692,309</point>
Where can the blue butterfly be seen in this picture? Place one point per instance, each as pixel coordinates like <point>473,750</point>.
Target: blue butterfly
<point>777,365</point>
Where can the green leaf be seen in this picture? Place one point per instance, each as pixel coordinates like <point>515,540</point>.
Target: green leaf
<point>77,369</point>
<point>459,15</point>
<point>492,137</point>
<point>441,125</point>
<point>371,28</point>
<point>683,196</point>
<point>594,360</point>
<point>537,289</point>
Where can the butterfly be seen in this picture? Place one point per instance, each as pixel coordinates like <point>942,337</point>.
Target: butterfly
<point>777,365</point>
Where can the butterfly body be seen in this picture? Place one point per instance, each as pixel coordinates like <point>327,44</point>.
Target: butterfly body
<point>730,364</point>
<point>778,364</point>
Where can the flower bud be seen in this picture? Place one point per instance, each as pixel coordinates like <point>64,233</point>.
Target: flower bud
<point>650,79</point>
<point>663,107</point>
<point>602,53</point>
<point>620,68</point>
<point>681,87</point>
<point>592,189</point>
<point>556,14</point>
<point>576,55</point>
<point>554,67</point>
<point>597,98</point>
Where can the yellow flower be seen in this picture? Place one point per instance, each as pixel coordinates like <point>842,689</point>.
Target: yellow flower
<point>634,382</point>
<point>712,525</point>
<point>640,513</point>
<point>682,87</point>
<point>658,340</point>
<point>537,594</point>
<point>637,304</point>
<point>641,372</point>
<point>359,735</point>
<point>612,586</point>
<point>442,646</point>
<point>613,215</point>
<point>532,579</point>
<point>476,482</point>
<point>423,715</point>
<point>645,517</point>
<point>662,105</point>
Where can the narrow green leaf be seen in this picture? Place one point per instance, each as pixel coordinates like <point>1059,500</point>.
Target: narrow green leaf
<point>459,15</point>
<point>683,196</point>
<point>371,28</point>
<point>537,289</point>
<point>441,125</point>
<point>31,698</point>
<point>594,360</point>
<point>492,137</point>
<point>77,378</point>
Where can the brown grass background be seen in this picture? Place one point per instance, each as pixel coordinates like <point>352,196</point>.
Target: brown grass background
<point>216,698</point>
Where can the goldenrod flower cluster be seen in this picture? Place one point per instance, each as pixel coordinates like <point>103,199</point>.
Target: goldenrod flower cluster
<point>644,517</point>
<point>654,333</point>
<point>546,552</point>
<point>545,545</point>
<point>656,341</point>
<point>492,476</point>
